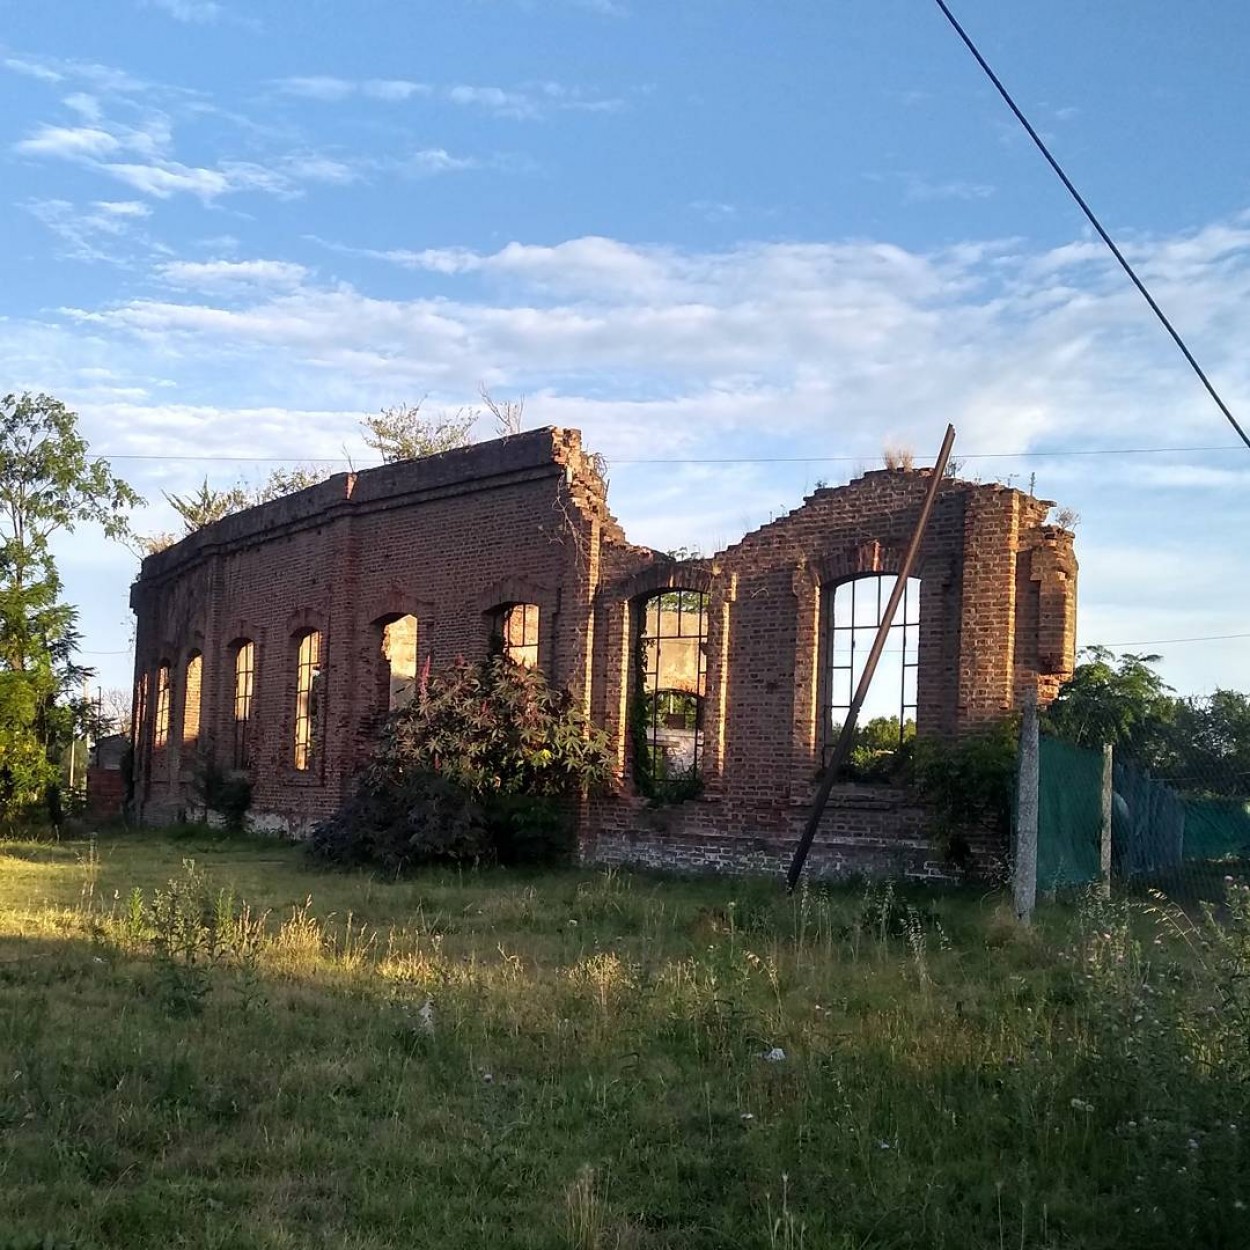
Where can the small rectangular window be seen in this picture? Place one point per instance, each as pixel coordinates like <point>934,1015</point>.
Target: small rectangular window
<point>515,629</point>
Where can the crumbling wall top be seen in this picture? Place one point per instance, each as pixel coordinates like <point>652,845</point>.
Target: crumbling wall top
<point>541,452</point>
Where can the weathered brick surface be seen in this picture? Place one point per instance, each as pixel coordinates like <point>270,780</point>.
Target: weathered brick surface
<point>524,519</point>
<point>106,793</point>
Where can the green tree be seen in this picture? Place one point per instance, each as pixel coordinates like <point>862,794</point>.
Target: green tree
<point>49,484</point>
<point>1117,699</point>
<point>403,433</point>
<point>1209,745</point>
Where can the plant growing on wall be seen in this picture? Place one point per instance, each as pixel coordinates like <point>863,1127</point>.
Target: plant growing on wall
<point>480,765</point>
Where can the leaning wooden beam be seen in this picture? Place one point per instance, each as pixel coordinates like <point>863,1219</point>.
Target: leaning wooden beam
<point>845,738</point>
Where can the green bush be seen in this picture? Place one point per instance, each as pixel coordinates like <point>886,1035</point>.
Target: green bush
<point>417,818</point>
<point>483,764</point>
<point>967,785</point>
<point>227,792</point>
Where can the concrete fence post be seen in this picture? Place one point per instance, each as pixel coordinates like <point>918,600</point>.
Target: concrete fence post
<point>1105,839</point>
<point>1024,872</point>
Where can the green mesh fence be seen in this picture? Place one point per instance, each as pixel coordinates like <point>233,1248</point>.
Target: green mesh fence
<point>1069,814</point>
<point>1157,833</point>
<point>1217,829</point>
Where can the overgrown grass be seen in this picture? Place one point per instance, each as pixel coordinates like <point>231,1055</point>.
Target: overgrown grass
<point>205,1043</point>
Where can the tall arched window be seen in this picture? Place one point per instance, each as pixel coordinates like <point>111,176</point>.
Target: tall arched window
<point>160,728</point>
<point>307,698</point>
<point>244,687</point>
<point>399,661</point>
<point>514,631</point>
<point>853,611</point>
<point>191,696</point>
<point>671,684</point>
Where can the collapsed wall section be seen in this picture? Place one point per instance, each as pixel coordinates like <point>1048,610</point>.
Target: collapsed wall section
<point>996,618</point>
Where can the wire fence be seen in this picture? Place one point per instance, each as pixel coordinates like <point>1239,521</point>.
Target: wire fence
<point>1104,818</point>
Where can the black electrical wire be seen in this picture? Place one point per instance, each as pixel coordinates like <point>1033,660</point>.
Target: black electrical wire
<point>1093,220</point>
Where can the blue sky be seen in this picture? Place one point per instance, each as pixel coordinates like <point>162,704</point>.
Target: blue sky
<point>787,234</point>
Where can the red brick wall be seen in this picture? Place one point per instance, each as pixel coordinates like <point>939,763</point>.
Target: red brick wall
<point>524,519</point>
<point>106,793</point>
<point>445,539</point>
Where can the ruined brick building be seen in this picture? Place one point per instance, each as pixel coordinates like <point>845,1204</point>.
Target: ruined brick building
<point>276,638</point>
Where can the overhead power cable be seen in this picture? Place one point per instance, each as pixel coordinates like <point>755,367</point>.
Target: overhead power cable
<point>1093,221</point>
<point>613,460</point>
<point>1162,642</point>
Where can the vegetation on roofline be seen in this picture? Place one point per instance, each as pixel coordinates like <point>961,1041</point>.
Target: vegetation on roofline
<point>400,432</point>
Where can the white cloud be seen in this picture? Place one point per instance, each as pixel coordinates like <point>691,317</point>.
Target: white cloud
<point>321,87</point>
<point>436,161</point>
<point>106,231</point>
<point>494,100</point>
<point>529,100</point>
<point>227,275</point>
<point>33,69</point>
<point>316,167</point>
<point>170,178</point>
<point>70,142</point>
<point>102,78</point>
<point>331,90</point>
<point>195,12</point>
<point>393,89</point>
<point>123,208</point>
<point>86,106</point>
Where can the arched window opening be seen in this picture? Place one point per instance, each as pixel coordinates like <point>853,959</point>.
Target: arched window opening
<point>853,611</point>
<point>191,699</point>
<point>307,699</point>
<point>671,684</point>
<point>244,688</point>
<point>160,730</point>
<point>399,656</point>
<point>514,631</point>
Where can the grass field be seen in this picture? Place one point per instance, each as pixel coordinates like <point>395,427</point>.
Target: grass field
<point>253,1053</point>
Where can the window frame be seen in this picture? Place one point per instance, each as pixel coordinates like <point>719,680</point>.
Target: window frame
<point>859,628</point>
<point>309,718</point>
<point>650,693</point>
<point>242,701</point>
<point>500,618</point>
